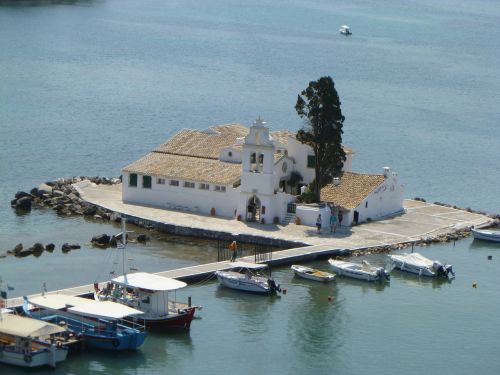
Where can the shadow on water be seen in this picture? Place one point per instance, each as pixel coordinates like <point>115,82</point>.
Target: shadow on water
<point>415,280</point>
<point>483,244</point>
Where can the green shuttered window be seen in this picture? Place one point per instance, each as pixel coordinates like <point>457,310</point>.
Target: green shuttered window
<point>132,180</point>
<point>146,182</point>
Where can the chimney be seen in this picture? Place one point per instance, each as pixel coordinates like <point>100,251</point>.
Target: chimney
<point>387,170</point>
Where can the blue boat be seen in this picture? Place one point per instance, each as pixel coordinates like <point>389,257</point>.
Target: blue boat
<point>101,325</point>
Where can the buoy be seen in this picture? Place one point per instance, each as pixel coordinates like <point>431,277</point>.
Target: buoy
<point>490,257</point>
<point>330,298</point>
<point>474,284</point>
<point>283,291</point>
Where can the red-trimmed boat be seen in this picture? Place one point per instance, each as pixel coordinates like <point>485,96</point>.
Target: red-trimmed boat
<point>149,293</point>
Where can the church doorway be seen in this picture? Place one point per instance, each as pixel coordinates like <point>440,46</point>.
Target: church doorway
<point>253,209</point>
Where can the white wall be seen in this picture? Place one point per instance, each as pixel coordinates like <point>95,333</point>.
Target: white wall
<point>189,199</point>
<point>385,200</point>
<point>308,215</point>
<point>299,152</point>
<point>236,155</point>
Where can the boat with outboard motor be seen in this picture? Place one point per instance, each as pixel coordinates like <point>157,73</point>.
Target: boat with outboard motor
<point>420,265</point>
<point>247,277</point>
<point>27,342</point>
<point>149,293</point>
<point>312,274</point>
<point>102,325</point>
<point>363,271</point>
<point>486,235</point>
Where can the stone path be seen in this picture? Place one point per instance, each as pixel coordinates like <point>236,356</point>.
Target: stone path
<point>420,220</point>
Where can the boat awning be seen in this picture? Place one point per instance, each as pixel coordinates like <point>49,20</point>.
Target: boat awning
<point>104,310</point>
<point>26,327</point>
<point>149,281</point>
<point>57,301</point>
<point>239,264</point>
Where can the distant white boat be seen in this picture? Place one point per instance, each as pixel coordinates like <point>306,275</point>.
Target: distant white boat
<point>487,235</point>
<point>345,30</point>
<point>362,271</point>
<point>422,266</point>
<point>312,274</point>
<point>244,276</point>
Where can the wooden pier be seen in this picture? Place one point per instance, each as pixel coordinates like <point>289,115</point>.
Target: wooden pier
<point>206,271</point>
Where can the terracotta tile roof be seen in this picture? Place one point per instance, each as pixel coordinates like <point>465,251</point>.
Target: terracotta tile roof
<point>353,188</point>
<point>282,136</point>
<point>203,143</point>
<point>186,168</point>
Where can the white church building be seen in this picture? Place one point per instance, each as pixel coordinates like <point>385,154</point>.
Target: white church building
<point>247,173</point>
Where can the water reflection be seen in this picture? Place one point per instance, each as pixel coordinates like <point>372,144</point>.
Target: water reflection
<point>415,280</point>
<point>314,321</point>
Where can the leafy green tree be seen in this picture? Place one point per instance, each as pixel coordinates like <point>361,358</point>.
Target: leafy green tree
<point>319,106</point>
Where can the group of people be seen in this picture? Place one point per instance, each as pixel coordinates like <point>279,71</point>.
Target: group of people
<point>334,219</point>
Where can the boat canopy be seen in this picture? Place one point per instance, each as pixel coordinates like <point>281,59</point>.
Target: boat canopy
<point>26,327</point>
<point>104,310</point>
<point>239,265</point>
<point>148,281</point>
<point>57,301</point>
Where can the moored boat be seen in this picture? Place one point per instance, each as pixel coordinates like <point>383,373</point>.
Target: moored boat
<point>420,265</point>
<point>27,342</point>
<point>102,325</point>
<point>247,277</point>
<point>486,235</point>
<point>363,271</point>
<point>345,30</point>
<point>149,293</point>
<point>311,273</point>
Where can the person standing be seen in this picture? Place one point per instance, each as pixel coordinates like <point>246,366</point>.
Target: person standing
<point>318,223</point>
<point>333,222</point>
<point>340,218</point>
<point>233,248</point>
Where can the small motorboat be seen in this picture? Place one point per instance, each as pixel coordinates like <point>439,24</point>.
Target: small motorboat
<point>345,30</point>
<point>27,342</point>
<point>422,266</point>
<point>486,235</point>
<point>248,278</point>
<point>101,325</point>
<point>312,274</point>
<point>362,271</point>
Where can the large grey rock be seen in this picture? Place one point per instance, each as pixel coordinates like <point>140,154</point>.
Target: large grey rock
<point>24,203</point>
<point>102,239</point>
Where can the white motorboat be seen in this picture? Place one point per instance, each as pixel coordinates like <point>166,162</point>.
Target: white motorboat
<point>27,342</point>
<point>149,293</point>
<point>362,271</point>
<point>422,266</point>
<point>486,235</point>
<point>312,274</point>
<point>246,277</point>
<point>345,30</point>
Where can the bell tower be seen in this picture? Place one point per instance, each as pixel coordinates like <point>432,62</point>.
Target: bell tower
<point>257,177</point>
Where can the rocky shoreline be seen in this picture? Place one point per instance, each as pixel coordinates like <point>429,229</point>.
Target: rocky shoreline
<point>65,200</point>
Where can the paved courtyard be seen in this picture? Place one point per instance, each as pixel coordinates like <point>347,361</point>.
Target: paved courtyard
<point>420,220</point>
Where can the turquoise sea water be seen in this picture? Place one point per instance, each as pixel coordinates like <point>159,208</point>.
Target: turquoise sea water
<point>87,87</point>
